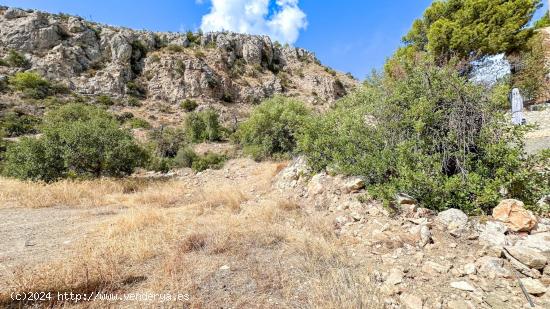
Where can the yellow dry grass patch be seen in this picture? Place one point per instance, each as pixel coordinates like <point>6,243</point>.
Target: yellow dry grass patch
<point>91,193</point>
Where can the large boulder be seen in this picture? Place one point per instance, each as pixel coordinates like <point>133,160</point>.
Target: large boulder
<point>514,215</point>
<point>453,218</point>
<point>528,256</point>
<point>539,242</point>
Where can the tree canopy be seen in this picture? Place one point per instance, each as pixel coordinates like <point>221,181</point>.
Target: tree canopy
<point>472,28</point>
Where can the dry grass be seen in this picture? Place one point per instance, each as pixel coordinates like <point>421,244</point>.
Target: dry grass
<point>225,196</point>
<point>91,193</point>
<point>278,255</point>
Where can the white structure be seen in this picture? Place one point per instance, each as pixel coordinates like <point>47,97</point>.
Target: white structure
<point>517,107</point>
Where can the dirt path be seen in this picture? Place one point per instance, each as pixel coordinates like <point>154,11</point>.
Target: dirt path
<point>29,236</point>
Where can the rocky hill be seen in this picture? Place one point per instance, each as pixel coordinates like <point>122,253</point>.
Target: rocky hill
<point>227,70</point>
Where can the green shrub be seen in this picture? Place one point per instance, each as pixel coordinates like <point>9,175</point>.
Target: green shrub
<point>133,102</point>
<point>330,71</point>
<point>431,134</point>
<point>272,127</point>
<point>15,59</point>
<point>532,72</point>
<point>203,126</point>
<point>185,157</point>
<point>167,141</point>
<point>188,105</point>
<point>34,159</point>
<point>3,63</point>
<point>31,84</point>
<point>105,100</point>
<point>174,48</point>
<point>17,124</point>
<point>135,89</point>
<point>3,84</point>
<point>194,39</point>
<point>138,123</point>
<point>208,161</point>
<point>124,117</point>
<point>155,58</point>
<point>78,141</point>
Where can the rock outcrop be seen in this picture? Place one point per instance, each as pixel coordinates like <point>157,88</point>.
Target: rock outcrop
<point>212,68</point>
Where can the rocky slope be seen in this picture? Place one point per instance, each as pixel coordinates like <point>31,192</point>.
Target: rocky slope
<point>213,68</point>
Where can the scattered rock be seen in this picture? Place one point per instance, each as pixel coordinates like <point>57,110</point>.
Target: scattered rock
<point>469,269</point>
<point>492,266</point>
<point>453,219</point>
<point>533,286</point>
<point>522,268</point>
<point>353,184</point>
<point>458,304</point>
<point>425,235</point>
<point>225,268</point>
<point>423,213</point>
<point>514,215</point>
<point>495,301</point>
<point>544,202</point>
<point>403,199</point>
<point>493,232</point>
<point>395,277</point>
<point>342,220</point>
<point>527,256</point>
<point>539,241</point>
<point>434,268</point>
<point>462,285</point>
<point>411,301</point>
<point>315,186</point>
<point>388,289</point>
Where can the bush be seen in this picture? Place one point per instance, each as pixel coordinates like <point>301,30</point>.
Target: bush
<point>203,126</point>
<point>272,128</point>
<point>185,157</point>
<point>34,159</point>
<point>16,124</point>
<point>209,160</point>
<point>31,84</point>
<point>15,59</point>
<point>138,123</point>
<point>124,117</point>
<point>194,39</point>
<point>78,141</point>
<point>167,141</point>
<point>188,105</point>
<point>174,48</point>
<point>431,134</point>
<point>531,70</point>
<point>105,100</point>
<point>133,102</point>
<point>136,89</point>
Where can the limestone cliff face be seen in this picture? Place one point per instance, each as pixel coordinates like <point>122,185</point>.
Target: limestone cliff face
<point>212,68</point>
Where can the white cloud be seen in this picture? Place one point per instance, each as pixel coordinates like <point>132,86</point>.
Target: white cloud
<point>254,17</point>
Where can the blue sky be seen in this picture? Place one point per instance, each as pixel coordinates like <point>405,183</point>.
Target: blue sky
<point>349,35</point>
